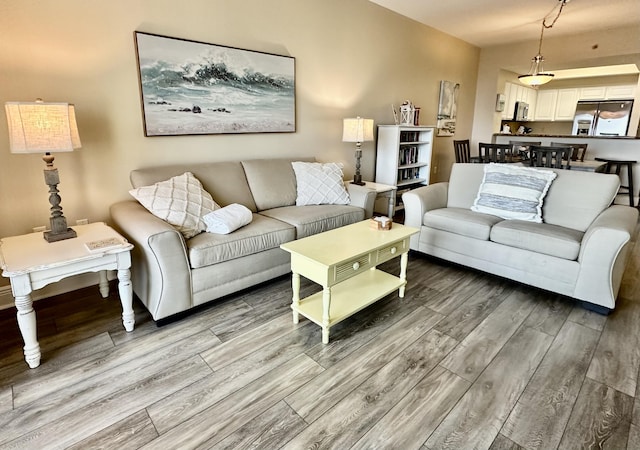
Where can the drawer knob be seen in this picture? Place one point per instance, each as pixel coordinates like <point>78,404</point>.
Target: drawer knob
<point>356,265</point>
<point>393,250</point>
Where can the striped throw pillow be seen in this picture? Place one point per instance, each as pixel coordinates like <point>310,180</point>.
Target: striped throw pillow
<point>513,192</point>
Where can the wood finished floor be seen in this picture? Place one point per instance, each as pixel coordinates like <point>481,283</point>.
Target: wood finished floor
<point>465,360</point>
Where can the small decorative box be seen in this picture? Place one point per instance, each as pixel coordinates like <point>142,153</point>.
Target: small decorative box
<point>380,223</point>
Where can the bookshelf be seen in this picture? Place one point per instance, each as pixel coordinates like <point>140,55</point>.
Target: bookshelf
<point>403,157</point>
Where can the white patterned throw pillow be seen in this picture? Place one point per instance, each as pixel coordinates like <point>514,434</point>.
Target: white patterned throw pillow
<point>319,184</point>
<point>513,192</point>
<point>181,201</point>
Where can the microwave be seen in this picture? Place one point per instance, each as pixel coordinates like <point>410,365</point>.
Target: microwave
<point>521,111</point>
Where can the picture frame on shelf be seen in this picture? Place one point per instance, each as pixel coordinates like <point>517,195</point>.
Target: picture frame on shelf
<point>189,87</point>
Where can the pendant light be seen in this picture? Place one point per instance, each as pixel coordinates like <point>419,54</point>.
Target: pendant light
<point>537,76</point>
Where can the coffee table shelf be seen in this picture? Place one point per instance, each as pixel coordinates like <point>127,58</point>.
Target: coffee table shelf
<point>350,296</point>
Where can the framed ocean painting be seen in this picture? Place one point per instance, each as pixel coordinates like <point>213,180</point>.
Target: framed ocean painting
<point>190,87</point>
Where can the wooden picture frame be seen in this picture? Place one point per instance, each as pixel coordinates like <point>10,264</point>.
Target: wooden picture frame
<point>190,87</point>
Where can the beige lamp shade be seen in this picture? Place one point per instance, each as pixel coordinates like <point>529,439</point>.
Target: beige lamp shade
<point>36,127</point>
<point>357,130</point>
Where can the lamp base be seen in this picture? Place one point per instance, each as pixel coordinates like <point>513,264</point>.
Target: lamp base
<point>357,178</point>
<point>51,236</point>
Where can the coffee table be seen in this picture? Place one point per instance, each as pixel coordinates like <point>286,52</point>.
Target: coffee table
<point>343,261</point>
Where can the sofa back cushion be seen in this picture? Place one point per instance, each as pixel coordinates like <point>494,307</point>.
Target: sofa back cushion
<point>574,199</point>
<point>225,181</point>
<point>464,182</point>
<point>272,181</point>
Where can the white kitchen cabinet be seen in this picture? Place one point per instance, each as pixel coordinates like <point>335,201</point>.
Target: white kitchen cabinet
<point>546,104</point>
<point>515,92</point>
<point>624,92</point>
<point>566,102</point>
<point>403,157</point>
<point>593,93</point>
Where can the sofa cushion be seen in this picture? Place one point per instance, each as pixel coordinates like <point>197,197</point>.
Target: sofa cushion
<point>263,233</point>
<point>313,219</point>
<point>225,181</point>
<point>576,198</point>
<point>319,184</point>
<point>542,238</point>
<point>461,221</point>
<point>513,192</point>
<point>272,182</point>
<point>180,201</point>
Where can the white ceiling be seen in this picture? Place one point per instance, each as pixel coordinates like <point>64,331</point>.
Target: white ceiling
<point>486,23</point>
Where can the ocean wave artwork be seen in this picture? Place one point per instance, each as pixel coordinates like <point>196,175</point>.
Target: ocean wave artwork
<point>190,87</point>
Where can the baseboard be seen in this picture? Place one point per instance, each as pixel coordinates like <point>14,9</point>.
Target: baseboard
<point>61,287</point>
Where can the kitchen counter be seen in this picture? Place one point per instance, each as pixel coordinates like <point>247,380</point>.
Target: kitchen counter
<point>516,137</point>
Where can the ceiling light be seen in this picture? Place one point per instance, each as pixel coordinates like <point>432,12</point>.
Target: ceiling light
<point>537,76</point>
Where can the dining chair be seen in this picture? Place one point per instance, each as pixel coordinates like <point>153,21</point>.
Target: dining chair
<point>579,150</point>
<point>547,156</point>
<point>462,150</point>
<point>496,153</point>
<point>522,147</point>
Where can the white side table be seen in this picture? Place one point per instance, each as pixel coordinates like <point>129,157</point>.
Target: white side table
<point>384,191</point>
<point>32,263</point>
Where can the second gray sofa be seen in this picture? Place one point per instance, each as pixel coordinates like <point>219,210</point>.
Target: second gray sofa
<point>171,274</point>
<point>579,251</point>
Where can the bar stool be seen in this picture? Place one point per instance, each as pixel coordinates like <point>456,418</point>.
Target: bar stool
<point>614,166</point>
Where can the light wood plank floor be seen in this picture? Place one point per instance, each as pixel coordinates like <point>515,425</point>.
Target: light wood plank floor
<point>465,360</point>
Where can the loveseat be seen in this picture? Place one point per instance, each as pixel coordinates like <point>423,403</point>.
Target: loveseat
<point>579,250</point>
<point>172,274</point>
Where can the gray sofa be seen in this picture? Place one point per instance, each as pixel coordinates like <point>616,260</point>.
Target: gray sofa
<point>579,251</point>
<point>171,274</point>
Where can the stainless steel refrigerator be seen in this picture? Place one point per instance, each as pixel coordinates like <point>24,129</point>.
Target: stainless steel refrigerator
<point>605,118</point>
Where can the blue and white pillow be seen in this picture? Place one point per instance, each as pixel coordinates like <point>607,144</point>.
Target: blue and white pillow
<point>513,192</point>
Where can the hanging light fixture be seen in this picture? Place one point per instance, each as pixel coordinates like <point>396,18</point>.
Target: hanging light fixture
<point>537,76</point>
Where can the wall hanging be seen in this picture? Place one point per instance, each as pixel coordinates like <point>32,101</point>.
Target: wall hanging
<point>447,108</point>
<point>190,87</point>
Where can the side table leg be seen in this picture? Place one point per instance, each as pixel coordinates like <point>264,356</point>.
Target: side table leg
<point>295,285</point>
<point>326,307</point>
<point>126,298</point>
<point>28,329</point>
<point>392,203</point>
<point>404,259</point>
<point>104,284</point>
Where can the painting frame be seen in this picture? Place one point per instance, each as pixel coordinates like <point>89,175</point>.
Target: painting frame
<point>190,87</point>
<point>447,108</point>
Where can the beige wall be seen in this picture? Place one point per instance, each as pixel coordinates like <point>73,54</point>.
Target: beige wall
<point>615,46</point>
<point>352,58</point>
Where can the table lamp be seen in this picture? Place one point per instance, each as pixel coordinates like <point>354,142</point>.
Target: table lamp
<point>357,130</point>
<point>36,127</point>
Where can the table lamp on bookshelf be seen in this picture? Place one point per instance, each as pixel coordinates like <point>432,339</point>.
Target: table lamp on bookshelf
<point>357,130</point>
<point>36,127</point>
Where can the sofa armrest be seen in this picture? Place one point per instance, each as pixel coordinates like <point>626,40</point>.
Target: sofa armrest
<point>161,274</point>
<point>603,255</point>
<point>363,197</point>
<point>418,201</point>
